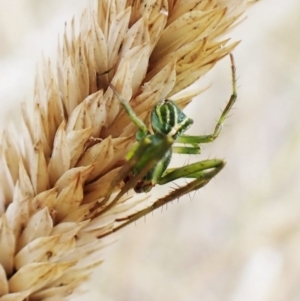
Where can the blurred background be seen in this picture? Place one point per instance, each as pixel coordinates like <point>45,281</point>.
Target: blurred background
<point>239,237</point>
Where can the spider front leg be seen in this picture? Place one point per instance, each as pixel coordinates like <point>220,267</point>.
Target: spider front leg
<point>202,171</point>
<point>194,140</point>
<point>143,131</point>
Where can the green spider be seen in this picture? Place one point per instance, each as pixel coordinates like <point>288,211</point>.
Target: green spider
<point>148,160</point>
<point>167,119</point>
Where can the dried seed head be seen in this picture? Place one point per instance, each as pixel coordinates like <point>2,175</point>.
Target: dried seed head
<point>74,139</point>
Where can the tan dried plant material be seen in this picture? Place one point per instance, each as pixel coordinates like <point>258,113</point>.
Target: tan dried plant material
<point>74,139</point>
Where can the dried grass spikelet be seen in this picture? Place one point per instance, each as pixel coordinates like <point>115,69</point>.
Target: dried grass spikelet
<point>73,141</point>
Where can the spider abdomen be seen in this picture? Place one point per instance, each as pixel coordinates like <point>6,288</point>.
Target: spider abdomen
<point>168,119</point>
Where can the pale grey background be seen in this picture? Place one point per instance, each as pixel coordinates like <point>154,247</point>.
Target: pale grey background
<point>237,239</point>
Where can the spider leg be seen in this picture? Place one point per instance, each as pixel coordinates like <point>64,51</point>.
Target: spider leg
<point>198,170</point>
<point>143,131</point>
<point>202,177</point>
<point>142,158</point>
<point>186,139</point>
<point>193,149</point>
